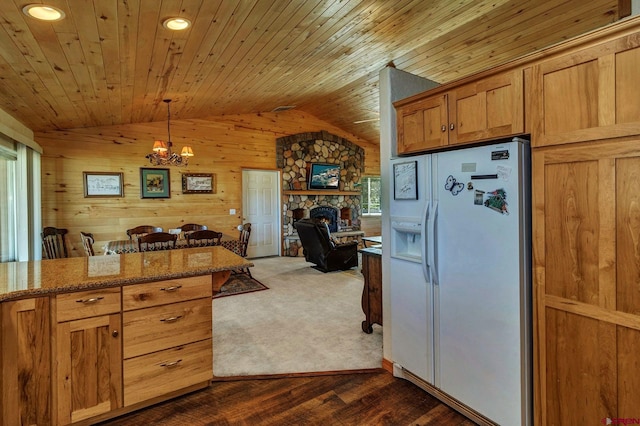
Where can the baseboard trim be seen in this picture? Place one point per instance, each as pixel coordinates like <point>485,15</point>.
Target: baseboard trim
<point>444,397</point>
<point>289,375</point>
<point>387,365</point>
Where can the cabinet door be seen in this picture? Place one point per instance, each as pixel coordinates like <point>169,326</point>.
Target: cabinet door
<point>587,281</point>
<point>422,125</point>
<point>89,367</point>
<point>588,95</point>
<point>487,109</point>
<point>26,363</point>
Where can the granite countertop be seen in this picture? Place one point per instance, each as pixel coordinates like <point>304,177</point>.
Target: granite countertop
<point>374,251</point>
<point>19,280</point>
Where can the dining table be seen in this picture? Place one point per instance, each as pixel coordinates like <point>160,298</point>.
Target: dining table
<point>131,246</point>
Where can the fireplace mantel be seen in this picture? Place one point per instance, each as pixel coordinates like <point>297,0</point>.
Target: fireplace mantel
<point>320,192</point>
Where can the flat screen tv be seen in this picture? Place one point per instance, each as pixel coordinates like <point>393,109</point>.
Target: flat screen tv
<point>324,176</point>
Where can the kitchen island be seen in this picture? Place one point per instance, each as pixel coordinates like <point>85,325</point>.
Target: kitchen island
<point>86,339</point>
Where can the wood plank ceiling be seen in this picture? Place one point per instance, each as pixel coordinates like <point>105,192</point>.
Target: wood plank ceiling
<point>112,62</point>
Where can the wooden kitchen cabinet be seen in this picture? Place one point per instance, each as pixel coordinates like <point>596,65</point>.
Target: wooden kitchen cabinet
<point>25,362</point>
<point>167,337</point>
<point>88,353</point>
<point>588,94</point>
<point>586,225</point>
<point>423,125</point>
<point>372,290</point>
<point>485,109</point>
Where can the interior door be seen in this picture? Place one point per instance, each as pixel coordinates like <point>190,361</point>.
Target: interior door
<point>260,207</point>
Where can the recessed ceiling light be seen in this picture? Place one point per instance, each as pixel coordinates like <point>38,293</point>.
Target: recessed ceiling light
<point>176,24</point>
<point>43,12</point>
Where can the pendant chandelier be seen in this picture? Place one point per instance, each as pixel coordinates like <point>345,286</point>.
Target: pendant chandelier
<point>162,154</point>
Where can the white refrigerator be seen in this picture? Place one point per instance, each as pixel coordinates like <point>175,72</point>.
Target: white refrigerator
<point>460,268</point>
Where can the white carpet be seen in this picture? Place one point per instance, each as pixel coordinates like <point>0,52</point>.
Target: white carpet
<point>307,321</point>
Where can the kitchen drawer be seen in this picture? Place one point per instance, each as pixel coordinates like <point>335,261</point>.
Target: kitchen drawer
<point>161,327</point>
<point>160,373</point>
<point>164,292</point>
<point>85,304</point>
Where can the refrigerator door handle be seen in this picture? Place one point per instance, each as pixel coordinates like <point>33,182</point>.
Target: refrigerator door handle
<point>423,236</point>
<point>431,243</point>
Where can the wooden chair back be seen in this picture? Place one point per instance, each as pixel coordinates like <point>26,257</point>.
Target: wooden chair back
<point>87,243</point>
<point>204,238</point>
<point>245,233</point>
<point>190,227</point>
<point>54,244</point>
<point>157,241</point>
<point>139,231</point>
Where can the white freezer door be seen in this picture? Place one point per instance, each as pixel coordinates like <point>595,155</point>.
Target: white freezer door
<point>411,305</point>
<point>480,268</point>
<point>405,181</point>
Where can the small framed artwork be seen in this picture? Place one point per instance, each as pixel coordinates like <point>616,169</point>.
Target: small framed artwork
<point>197,183</point>
<point>405,181</point>
<point>102,184</point>
<point>154,183</point>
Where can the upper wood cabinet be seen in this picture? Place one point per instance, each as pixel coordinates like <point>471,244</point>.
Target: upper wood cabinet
<point>25,362</point>
<point>589,94</point>
<point>489,108</point>
<point>423,125</point>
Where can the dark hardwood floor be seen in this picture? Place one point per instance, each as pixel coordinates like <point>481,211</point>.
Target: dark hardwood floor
<point>367,398</point>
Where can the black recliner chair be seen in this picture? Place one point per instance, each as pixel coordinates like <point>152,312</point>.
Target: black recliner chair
<point>319,249</point>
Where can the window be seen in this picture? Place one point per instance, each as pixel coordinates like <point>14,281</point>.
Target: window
<point>8,234</point>
<point>20,216</point>
<point>371,195</point>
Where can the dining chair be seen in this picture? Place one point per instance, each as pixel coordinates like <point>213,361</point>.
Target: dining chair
<point>240,245</point>
<point>190,227</point>
<point>139,231</point>
<point>245,233</point>
<point>203,238</point>
<point>54,243</point>
<point>157,241</point>
<point>87,243</point>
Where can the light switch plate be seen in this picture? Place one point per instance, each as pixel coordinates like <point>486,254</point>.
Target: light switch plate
<point>232,211</point>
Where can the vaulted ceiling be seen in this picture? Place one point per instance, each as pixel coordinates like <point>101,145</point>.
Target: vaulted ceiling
<point>112,62</point>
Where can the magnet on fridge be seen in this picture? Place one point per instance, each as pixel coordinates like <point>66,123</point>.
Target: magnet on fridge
<point>497,200</point>
<point>453,185</point>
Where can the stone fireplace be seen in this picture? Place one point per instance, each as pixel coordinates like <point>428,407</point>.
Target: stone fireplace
<point>294,156</point>
<point>331,214</point>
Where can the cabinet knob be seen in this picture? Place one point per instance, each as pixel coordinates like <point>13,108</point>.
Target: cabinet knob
<point>452,126</point>
<point>114,333</point>
<point>443,128</point>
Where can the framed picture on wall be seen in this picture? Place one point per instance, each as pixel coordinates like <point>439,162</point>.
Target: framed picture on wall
<point>405,181</point>
<point>154,183</point>
<point>102,184</point>
<point>197,183</point>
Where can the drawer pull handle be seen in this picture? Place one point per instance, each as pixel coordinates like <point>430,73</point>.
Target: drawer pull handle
<point>90,300</point>
<point>172,319</point>
<point>172,288</point>
<point>170,364</point>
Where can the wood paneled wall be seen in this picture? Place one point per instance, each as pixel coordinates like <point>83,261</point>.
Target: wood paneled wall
<point>222,146</point>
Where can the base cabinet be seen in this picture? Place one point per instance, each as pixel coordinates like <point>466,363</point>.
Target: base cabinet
<point>167,337</point>
<point>117,349</point>
<point>88,354</point>
<point>372,291</point>
<point>25,362</point>
<point>586,282</point>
